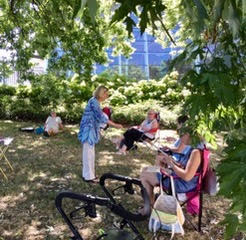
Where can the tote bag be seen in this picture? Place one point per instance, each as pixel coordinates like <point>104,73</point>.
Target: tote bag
<point>210,182</point>
<point>167,213</point>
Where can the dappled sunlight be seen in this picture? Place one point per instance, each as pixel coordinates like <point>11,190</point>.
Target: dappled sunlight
<point>136,160</point>
<point>168,133</point>
<point>63,179</point>
<point>11,201</point>
<point>24,187</point>
<point>106,159</point>
<point>8,121</point>
<point>37,143</point>
<point>70,156</point>
<point>58,230</point>
<point>31,145</point>
<point>45,166</point>
<point>38,186</point>
<point>32,176</point>
<point>21,147</point>
<point>86,232</point>
<point>33,231</point>
<point>8,233</point>
<point>11,150</point>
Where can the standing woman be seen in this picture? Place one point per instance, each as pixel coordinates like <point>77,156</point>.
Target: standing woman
<point>89,133</point>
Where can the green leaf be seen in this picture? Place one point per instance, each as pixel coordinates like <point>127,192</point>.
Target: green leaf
<point>242,227</point>
<point>76,8</point>
<point>129,25</point>
<point>231,181</point>
<point>119,14</point>
<point>231,221</point>
<point>218,8</point>
<point>244,9</point>
<point>202,12</point>
<point>81,8</point>
<point>233,18</point>
<point>143,20</point>
<point>239,152</point>
<point>93,6</point>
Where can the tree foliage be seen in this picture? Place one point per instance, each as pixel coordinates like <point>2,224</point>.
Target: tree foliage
<point>213,34</point>
<point>38,28</point>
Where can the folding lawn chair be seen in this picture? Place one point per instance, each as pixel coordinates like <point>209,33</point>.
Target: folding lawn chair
<point>156,132</point>
<point>194,201</point>
<point>4,145</point>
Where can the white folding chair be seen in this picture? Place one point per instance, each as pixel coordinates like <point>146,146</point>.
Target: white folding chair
<point>4,145</point>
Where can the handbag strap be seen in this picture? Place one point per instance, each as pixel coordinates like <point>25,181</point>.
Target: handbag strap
<point>172,186</point>
<point>161,186</point>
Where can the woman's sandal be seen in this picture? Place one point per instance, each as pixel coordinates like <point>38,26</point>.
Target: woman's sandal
<point>95,180</point>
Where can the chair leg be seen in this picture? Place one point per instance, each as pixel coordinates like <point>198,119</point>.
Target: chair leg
<point>200,211</point>
<point>3,173</point>
<point>4,157</point>
<point>8,163</point>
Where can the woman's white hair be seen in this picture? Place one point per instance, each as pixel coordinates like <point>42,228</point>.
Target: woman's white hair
<point>99,91</point>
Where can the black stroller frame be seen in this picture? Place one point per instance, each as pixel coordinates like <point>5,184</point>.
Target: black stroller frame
<point>91,201</point>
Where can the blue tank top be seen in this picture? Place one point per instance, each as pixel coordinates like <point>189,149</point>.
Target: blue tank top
<point>181,185</point>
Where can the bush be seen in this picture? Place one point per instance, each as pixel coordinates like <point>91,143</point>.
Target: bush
<point>73,114</point>
<point>69,96</point>
<point>167,90</point>
<point>6,94</point>
<point>7,90</point>
<point>134,114</point>
<point>111,80</point>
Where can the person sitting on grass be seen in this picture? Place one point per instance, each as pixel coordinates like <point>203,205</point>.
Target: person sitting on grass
<point>52,125</point>
<point>146,131</point>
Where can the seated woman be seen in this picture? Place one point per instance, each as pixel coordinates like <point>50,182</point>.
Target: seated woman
<point>184,164</point>
<point>181,120</point>
<point>52,125</point>
<point>179,123</point>
<point>146,130</point>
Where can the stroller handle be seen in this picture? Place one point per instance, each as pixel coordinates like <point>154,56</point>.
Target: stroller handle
<point>129,181</point>
<point>81,197</point>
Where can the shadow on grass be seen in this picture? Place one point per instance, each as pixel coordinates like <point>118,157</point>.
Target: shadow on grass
<point>43,167</point>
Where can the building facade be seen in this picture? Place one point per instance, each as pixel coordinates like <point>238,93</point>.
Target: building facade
<point>148,53</point>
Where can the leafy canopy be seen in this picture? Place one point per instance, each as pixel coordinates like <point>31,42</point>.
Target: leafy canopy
<point>213,33</point>
<point>213,36</point>
<point>39,28</point>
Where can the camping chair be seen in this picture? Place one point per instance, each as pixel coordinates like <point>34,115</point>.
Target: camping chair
<point>89,208</point>
<point>196,196</point>
<point>4,145</point>
<point>156,132</point>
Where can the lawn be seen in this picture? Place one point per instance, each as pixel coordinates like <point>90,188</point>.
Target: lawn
<point>43,167</point>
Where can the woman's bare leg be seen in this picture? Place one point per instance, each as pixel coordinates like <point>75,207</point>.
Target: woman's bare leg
<point>51,132</point>
<point>149,181</point>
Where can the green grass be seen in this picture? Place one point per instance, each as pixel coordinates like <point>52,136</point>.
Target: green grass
<point>43,167</point>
